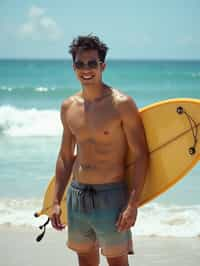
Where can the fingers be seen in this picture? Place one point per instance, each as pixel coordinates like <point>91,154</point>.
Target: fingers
<point>126,226</point>
<point>122,224</point>
<point>125,222</point>
<point>56,223</point>
<point>119,220</point>
<point>55,219</point>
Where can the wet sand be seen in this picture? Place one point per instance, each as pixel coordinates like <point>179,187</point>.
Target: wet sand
<point>19,248</point>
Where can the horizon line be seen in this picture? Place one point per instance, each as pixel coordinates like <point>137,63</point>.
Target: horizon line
<point>113,59</point>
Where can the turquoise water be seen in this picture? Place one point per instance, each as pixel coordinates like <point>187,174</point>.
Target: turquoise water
<point>31,92</point>
<point>43,84</point>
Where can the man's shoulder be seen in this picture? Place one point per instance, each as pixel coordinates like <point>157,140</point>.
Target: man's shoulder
<point>123,101</point>
<point>67,103</point>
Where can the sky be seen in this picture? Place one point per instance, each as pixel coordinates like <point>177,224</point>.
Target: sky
<point>142,29</point>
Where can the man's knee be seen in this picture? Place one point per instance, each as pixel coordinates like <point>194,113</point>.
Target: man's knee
<point>118,261</point>
<point>90,258</point>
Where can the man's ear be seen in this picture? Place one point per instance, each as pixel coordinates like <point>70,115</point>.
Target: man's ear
<point>103,66</point>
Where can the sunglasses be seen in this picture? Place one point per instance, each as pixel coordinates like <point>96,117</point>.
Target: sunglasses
<point>92,64</point>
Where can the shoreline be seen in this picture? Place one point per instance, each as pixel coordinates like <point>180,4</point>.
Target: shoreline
<point>19,248</point>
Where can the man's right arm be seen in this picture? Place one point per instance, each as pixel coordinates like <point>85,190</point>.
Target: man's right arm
<point>63,166</point>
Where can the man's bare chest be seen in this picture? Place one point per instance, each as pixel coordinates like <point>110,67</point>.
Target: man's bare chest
<point>98,121</point>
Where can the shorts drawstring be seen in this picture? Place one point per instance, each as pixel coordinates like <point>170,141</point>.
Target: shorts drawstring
<point>87,197</point>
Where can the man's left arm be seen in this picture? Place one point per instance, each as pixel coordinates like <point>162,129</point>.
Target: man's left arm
<point>135,134</point>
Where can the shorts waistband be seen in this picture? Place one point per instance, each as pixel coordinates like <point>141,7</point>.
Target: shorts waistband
<point>98,187</point>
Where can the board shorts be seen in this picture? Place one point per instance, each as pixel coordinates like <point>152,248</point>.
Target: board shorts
<point>93,211</point>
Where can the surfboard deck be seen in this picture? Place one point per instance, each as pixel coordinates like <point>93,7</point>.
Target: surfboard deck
<point>172,129</point>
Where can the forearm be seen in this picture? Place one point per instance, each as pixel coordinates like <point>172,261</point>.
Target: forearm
<point>63,172</point>
<point>140,170</point>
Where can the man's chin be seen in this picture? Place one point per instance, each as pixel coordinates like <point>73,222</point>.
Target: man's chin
<point>87,82</point>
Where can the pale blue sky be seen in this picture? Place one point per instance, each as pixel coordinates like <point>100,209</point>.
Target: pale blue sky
<point>142,29</point>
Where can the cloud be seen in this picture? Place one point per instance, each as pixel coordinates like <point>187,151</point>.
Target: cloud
<point>39,26</point>
<point>36,12</point>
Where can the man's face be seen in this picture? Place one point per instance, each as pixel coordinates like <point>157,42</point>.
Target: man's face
<point>88,67</point>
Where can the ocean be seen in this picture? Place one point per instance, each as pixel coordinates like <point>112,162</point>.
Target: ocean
<point>31,92</point>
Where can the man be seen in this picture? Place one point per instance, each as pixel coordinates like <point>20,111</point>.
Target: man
<point>103,123</point>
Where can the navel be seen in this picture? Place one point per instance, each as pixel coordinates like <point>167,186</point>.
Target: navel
<point>106,132</point>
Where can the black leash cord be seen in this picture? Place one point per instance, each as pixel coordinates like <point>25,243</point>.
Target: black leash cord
<point>40,236</point>
<point>193,127</point>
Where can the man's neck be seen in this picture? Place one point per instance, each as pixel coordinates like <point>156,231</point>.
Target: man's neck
<point>92,93</point>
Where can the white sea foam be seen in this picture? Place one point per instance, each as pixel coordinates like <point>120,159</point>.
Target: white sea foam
<point>21,89</point>
<point>153,219</point>
<point>41,89</point>
<point>20,212</point>
<point>4,88</point>
<point>174,221</point>
<point>196,75</point>
<point>31,122</point>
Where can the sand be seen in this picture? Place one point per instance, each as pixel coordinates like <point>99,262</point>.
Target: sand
<point>19,248</point>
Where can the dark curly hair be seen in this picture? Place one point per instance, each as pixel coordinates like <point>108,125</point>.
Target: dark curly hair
<point>88,42</point>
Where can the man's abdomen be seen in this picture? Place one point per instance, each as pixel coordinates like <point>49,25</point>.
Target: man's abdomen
<point>98,173</point>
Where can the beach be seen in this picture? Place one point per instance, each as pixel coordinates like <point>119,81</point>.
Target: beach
<point>31,92</point>
<point>19,248</point>
<point>147,50</point>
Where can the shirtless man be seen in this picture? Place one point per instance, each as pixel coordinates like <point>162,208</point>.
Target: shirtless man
<point>103,123</point>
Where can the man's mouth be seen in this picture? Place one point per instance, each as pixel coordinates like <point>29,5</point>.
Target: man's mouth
<point>87,77</point>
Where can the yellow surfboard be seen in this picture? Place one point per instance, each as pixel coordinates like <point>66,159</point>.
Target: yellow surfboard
<point>172,130</point>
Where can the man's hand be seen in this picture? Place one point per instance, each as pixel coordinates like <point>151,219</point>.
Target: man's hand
<point>55,218</point>
<point>126,219</point>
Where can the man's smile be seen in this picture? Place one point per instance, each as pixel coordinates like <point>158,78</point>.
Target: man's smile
<point>87,77</point>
